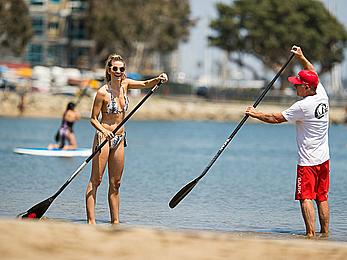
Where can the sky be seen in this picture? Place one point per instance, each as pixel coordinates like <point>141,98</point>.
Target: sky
<point>196,58</point>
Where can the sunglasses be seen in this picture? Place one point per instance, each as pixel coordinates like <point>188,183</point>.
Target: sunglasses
<point>115,69</point>
<point>299,85</point>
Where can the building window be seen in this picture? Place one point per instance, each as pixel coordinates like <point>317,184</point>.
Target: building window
<point>54,55</point>
<point>53,25</point>
<point>35,54</point>
<point>78,5</point>
<point>38,26</point>
<point>53,29</point>
<point>37,2</point>
<point>79,57</point>
<point>77,29</point>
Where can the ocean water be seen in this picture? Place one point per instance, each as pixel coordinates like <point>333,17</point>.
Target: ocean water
<point>250,188</point>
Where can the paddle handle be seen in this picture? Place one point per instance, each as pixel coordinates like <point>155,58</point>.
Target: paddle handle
<point>260,98</point>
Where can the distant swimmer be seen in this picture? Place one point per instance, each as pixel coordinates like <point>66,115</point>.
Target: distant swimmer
<point>311,117</point>
<point>65,132</point>
<point>111,102</point>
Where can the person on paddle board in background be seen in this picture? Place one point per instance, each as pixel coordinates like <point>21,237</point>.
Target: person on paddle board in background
<point>111,101</point>
<point>65,132</point>
<point>311,116</point>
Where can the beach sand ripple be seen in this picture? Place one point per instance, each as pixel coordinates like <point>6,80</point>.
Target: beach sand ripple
<point>60,240</point>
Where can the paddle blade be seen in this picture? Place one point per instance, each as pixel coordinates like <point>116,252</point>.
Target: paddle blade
<point>182,193</point>
<point>37,211</point>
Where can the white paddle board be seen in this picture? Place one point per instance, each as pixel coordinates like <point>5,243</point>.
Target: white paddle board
<point>81,152</point>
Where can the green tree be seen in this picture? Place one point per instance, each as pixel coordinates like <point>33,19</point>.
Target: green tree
<point>15,25</point>
<point>267,29</point>
<point>138,27</point>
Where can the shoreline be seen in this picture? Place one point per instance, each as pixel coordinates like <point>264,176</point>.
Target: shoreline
<point>27,239</point>
<point>44,105</point>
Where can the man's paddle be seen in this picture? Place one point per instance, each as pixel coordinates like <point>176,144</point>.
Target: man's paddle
<point>39,209</point>
<point>180,195</point>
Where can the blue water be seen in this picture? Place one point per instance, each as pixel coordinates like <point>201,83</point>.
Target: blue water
<point>249,189</point>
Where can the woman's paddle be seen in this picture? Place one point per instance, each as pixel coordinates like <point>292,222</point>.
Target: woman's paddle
<point>39,209</point>
<point>182,193</point>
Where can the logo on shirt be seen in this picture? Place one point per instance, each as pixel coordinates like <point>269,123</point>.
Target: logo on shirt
<point>321,110</point>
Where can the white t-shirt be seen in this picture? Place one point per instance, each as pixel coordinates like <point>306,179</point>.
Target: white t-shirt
<point>311,116</point>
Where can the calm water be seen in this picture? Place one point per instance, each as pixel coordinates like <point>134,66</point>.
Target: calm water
<point>249,189</point>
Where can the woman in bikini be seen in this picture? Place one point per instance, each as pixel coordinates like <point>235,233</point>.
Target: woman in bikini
<point>65,132</point>
<point>112,102</point>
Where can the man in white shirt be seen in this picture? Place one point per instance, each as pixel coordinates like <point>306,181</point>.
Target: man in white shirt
<point>310,114</point>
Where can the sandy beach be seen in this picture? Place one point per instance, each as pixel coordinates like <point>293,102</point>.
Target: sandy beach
<point>21,239</point>
<point>155,108</point>
<point>50,239</point>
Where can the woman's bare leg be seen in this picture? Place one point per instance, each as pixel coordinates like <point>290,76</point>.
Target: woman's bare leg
<point>71,138</point>
<point>98,168</point>
<point>52,146</point>
<point>115,170</point>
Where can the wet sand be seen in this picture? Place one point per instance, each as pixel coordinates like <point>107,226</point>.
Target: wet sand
<point>155,108</point>
<point>21,239</point>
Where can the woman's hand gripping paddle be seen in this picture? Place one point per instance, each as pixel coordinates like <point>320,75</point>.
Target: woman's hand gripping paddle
<point>182,193</point>
<point>38,210</point>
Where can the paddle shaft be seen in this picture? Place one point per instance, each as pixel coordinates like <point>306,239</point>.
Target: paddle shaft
<point>188,187</point>
<point>244,119</point>
<point>84,92</point>
<point>43,206</point>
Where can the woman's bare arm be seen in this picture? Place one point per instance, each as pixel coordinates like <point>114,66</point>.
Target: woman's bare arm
<point>97,105</point>
<point>139,84</point>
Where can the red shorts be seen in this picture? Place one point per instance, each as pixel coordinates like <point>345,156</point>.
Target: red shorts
<point>312,182</point>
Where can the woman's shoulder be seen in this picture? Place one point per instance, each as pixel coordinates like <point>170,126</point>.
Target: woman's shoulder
<point>102,90</point>
<point>71,115</point>
<point>126,82</point>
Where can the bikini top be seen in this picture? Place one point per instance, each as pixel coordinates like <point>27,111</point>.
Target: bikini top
<point>112,107</point>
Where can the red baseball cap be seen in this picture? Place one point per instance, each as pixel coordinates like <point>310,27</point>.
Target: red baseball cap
<point>305,77</point>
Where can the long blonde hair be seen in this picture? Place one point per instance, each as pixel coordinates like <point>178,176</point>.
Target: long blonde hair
<point>112,57</point>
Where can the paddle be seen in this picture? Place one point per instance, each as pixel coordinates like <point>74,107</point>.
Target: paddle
<point>83,93</point>
<point>39,209</point>
<point>183,192</point>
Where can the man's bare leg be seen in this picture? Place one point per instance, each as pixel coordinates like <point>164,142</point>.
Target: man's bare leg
<point>324,216</point>
<point>307,210</point>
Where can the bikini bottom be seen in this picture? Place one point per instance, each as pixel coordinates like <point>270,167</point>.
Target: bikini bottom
<point>113,143</point>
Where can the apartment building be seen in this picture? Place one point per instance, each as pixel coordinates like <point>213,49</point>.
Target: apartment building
<point>60,35</point>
